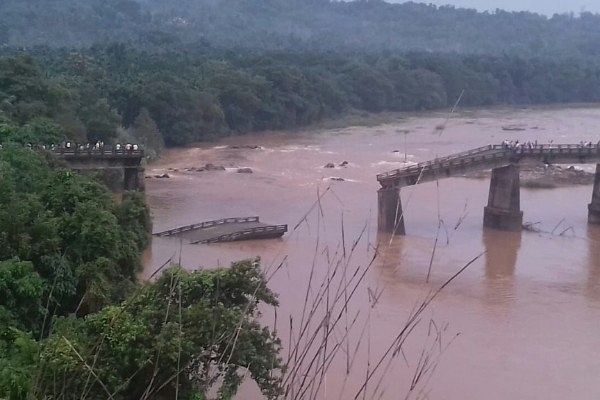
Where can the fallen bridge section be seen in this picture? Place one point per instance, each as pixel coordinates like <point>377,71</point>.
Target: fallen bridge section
<point>226,230</point>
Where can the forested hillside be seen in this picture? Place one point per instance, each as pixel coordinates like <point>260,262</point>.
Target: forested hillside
<point>118,92</point>
<point>181,71</point>
<point>298,24</point>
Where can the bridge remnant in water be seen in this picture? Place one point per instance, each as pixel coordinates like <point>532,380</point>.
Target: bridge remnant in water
<point>226,230</point>
<point>503,211</point>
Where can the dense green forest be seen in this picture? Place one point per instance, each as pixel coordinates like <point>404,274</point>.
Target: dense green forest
<point>118,92</point>
<point>297,24</point>
<point>182,71</point>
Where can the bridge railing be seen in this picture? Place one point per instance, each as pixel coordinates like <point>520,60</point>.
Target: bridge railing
<point>274,230</point>
<point>483,153</point>
<point>417,168</point>
<point>103,152</point>
<point>206,224</point>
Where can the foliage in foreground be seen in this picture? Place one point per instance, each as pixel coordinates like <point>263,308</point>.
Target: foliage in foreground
<point>74,321</point>
<point>187,334</point>
<point>66,248</point>
<point>65,235</point>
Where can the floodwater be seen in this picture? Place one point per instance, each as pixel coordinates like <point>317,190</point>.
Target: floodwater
<point>522,321</point>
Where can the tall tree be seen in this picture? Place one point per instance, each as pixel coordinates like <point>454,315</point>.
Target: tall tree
<point>147,134</point>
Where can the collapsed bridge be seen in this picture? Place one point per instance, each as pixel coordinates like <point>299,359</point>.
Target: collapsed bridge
<point>503,210</point>
<point>225,230</point>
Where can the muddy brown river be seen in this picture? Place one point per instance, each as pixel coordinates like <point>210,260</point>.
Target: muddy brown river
<point>522,321</point>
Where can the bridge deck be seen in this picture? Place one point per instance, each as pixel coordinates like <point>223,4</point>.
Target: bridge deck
<point>226,230</point>
<point>485,157</point>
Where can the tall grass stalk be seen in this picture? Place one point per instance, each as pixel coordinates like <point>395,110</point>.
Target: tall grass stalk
<point>329,321</point>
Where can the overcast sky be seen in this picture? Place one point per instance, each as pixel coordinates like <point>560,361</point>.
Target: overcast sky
<point>547,7</point>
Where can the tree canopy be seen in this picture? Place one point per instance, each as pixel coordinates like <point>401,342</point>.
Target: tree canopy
<point>300,24</point>
<point>183,96</point>
<point>173,73</point>
<point>187,334</point>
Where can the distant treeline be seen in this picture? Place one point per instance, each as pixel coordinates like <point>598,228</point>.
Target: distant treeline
<point>106,91</point>
<point>298,24</point>
<point>189,70</point>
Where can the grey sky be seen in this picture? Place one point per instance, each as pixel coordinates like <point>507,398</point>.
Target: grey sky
<point>547,7</point>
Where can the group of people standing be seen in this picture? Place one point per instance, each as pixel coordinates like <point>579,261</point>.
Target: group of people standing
<point>515,145</point>
<point>68,146</point>
<point>588,144</point>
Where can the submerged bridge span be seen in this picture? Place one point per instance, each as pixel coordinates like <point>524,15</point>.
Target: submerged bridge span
<point>225,230</point>
<point>503,210</point>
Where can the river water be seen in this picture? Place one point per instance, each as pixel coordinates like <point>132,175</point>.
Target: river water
<point>522,321</point>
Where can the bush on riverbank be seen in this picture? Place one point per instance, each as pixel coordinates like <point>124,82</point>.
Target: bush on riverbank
<point>183,336</point>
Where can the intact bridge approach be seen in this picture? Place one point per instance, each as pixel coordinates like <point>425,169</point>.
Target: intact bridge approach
<point>125,163</point>
<point>503,210</point>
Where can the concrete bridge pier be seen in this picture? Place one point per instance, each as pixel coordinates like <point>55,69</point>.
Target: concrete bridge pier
<point>141,179</point>
<point>594,206</point>
<point>390,217</point>
<point>133,178</point>
<point>503,211</point>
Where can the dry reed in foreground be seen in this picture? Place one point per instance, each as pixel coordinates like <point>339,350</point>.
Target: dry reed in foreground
<point>331,333</point>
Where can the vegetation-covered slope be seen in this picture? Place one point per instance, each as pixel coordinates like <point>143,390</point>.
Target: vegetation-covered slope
<point>188,70</point>
<point>314,24</point>
<point>118,92</point>
<point>74,321</point>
